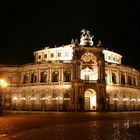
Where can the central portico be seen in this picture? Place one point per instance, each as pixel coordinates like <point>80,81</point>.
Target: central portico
<point>88,75</point>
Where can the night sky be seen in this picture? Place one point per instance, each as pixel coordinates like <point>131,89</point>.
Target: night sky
<point>27,27</point>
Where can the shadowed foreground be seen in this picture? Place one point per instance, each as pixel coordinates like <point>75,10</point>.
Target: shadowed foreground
<point>70,126</point>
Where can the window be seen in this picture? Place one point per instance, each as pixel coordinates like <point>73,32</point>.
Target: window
<point>66,53</point>
<point>45,55</point>
<point>66,96</point>
<point>129,80</point>
<point>43,77</point>
<point>25,79</point>
<point>52,54</point>
<point>122,79</point>
<point>66,76</point>
<point>59,54</point>
<point>33,78</point>
<point>114,78</point>
<point>55,76</point>
<point>134,81</point>
<point>39,57</point>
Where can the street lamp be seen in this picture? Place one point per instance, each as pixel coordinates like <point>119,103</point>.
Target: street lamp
<point>3,84</point>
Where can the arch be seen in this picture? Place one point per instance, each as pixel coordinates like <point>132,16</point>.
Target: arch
<point>88,75</point>
<point>122,79</point>
<point>67,76</point>
<point>33,78</point>
<point>129,80</point>
<point>23,102</point>
<point>66,95</point>
<point>43,101</point>
<point>66,101</point>
<point>54,95</point>
<point>43,76</point>
<point>134,81</point>
<point>55,76</point>
<point>25,78</point>
<point>54,102</point>
<point>33,102</point>
<point>7,101</point>
<point>90,100</point>
<point>113,78</point>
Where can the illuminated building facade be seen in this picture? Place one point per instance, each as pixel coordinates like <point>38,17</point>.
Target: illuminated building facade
<point>74,77</point>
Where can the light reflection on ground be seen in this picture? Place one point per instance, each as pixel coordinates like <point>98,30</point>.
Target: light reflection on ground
<point>74,126</point>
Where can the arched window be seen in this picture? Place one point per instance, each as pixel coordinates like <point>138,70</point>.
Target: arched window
<point>66,101</point>
<point>33,78</point>
<point>67,76</point>
<point>88,74</point>
<point>66,96</point>
<point>134,81</point>
<point>43,77</point>
<point>25,78</point>
<point>129,80</point>
<point>54,95</point>
<point>122,79</point>
<point>114,78</point>
<point>43,96</point>
<point>55,76</point>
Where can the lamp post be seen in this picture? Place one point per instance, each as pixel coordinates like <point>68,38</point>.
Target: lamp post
<point>3,84</point>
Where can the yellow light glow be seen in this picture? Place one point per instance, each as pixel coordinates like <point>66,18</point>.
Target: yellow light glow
<point>15,98</point>
<point>93,101</point>
<point>125,99</point>
<point>3,83</point>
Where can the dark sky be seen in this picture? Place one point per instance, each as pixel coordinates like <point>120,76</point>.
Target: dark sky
<point>30,26</point>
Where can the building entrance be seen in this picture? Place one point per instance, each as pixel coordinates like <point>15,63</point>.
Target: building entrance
<point>90,100</point>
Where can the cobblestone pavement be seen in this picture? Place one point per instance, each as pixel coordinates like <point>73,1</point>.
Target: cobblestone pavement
<point>70,126</point>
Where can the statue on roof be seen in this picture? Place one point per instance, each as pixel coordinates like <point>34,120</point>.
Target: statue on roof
<point>85,33</point>
<point>86,38</point>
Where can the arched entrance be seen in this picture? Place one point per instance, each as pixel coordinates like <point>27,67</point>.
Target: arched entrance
<point>90,100</point>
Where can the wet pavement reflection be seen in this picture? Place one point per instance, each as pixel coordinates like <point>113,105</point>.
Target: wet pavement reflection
<point>71,126</point>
